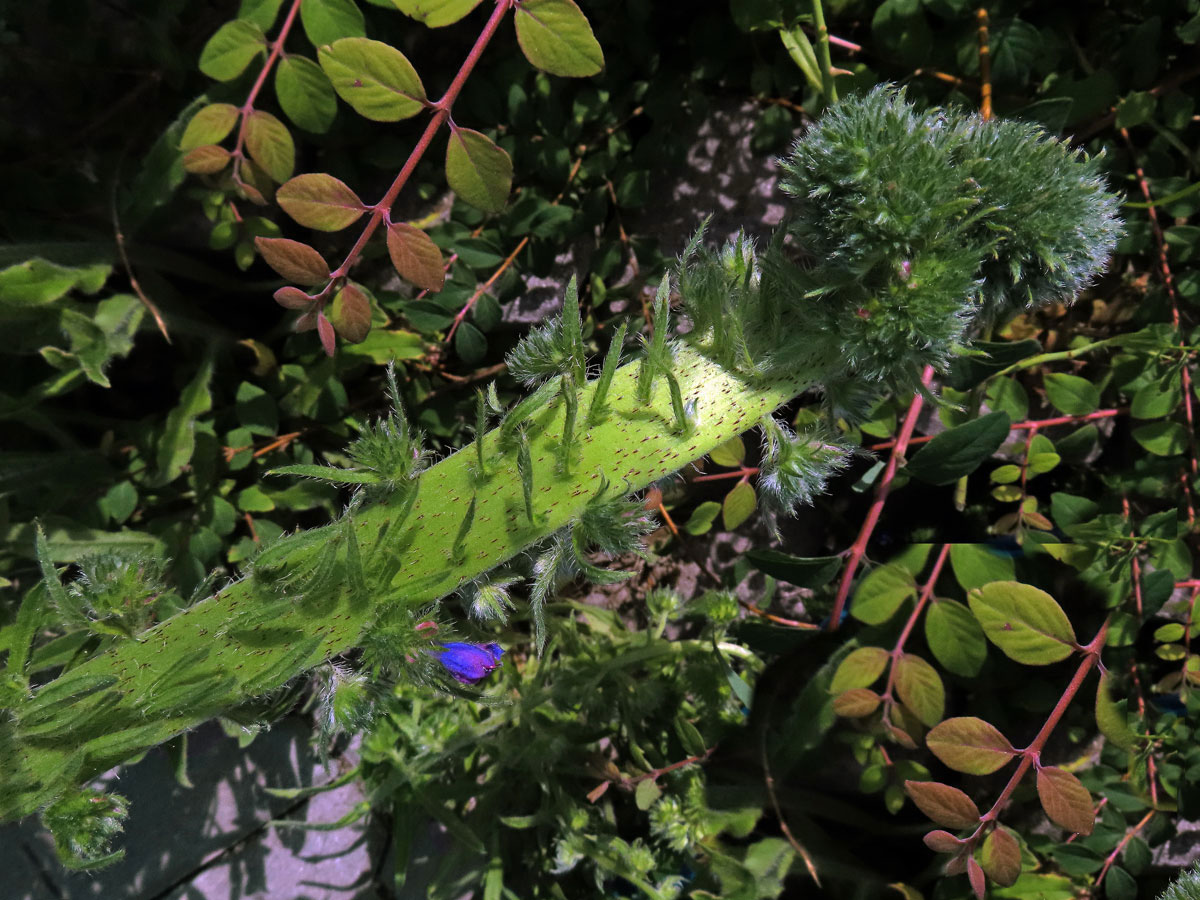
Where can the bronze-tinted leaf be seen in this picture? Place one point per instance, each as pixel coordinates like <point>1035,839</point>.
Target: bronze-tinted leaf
<point>416,257</point>
<point>293,298</point>
<point>975,876</point>
<point>206,160</point>
<point>293,260</point>
<point>921,689</point>
<point>320,201</point>
<point>1000,857</point>
<point>942,842</point>
<point>856,703</point>
<point>325,332</point>
<point>944,804</point>
<point>860,669</point>
<point>905,724</point>
<point>1065,800</point>
<point>350,314</point>
<point>970,745</point>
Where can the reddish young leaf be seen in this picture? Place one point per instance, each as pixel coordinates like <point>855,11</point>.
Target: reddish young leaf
<point>942,842</point>
<point>325,332</point>
<point>320,201</point>
<point>293,298</point>
<point>308,321</point>
<point>856,703</point>
<point>253,183</point>
<point>206,160</point>
<point>860,669</point>
<point>293,260</point>
<point>1000,857</point>
<point>944,804</point>
<point>270,145</point>
<point>956,865</point>
<point>350,314</point>
<point>904,721</point>
<point>921,689</point>
<point>975,875</point>
<point>1065,800</point>
<point>970,745</point>
<point>416,257</point>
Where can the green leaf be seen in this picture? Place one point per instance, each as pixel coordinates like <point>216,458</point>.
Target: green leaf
<point>469,343</point>
<point>305,94</point>
<point>729,454</point>
<point>959,451</point>
<point>955,638</point>
<point>1110,718</point>
<point>943,804</point>
<point>1023,621</point>
<point>1071,394</point>
<point>702,517</point>
<point>860,669</point>
<point>478,171</point>
<point>806,572</point>
<point>975,565</point>
<point>178,442</point>
<point>230,50</point>
<point>293,260</point>
<point>416,257</point>
<point>260,12</point>
<point>555,37</point>
<point>119,501</point>
<point>1136,108</point>
<point>436,13</point>
<point>253,500</point>
<point>739,505</point>
<point>350,314</point>
<point>270,145</point>
<point>325,21</point>
<point>1065,800</point>
<point>1000,857</point>
<point>970,745</point>
<point>320,201</point>
<point>881,593</point>
<point>1120,885</point>
<point>37,282</point>
<point>646,794</point>
<point>210,125</point>
<point>1162,438</point>
<point>901,28</point>
<point>377,80</point>
<point>920,688</point>
<point>1153,401</point>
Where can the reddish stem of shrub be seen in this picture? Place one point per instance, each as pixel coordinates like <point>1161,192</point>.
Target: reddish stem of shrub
<point>276,51</point>
<point>926,593</point>
<point>1023,426</point>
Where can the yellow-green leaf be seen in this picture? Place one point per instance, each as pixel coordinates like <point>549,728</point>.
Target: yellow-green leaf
<point>729,454</point>
<point>1000,857</point>
<point>305,94</point>
<point>1071,394</point>
<point>943,804</point>
<point>860,669</point>
<point>477,170</point>
<point>376,79</point>
<point>230,50</point>
<point>1023,621</point>
<point>1065,800</point>
<point>436,13</point>
<point>210,125</point>
<point>739,505</point>
<point>920,687</point>
<point>955,638</point>
<point>325,21</point>
<point>270,145</point>
<point>1110,717</point>
<point>320,201</point>
<point>881,593</point>
<point>350,314</point>
<point>555,37</point>
<point>416,257</point>
<point>970,745</point>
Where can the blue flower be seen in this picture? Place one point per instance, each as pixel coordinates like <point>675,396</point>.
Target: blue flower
<point>470,663</point>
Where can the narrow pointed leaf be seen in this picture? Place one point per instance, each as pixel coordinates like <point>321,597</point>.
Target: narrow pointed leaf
<point>230,50</point>
<point>210,125</point>
<point>477,170</point>
<point>1065,800</point>
<point>921,689</point>
<point>305,94</point>
<point>860,669</point>
<point>416,257</point>
<point>293,298</point>
<point>1000,857</point>
<point>943,804</point>
<point>555,37</point>
<point>1023,621</point>
<point>325,21</point>
<point>326,333</point>
<point>436,13</point>
<point>320,201</point>
<point>377,80</point>
<point>293,260</point>
<point>959,450</point>
<point>270,145</point>
<point>975,876</point>
<point>970,745</point>
<point>856,703</point>
<point>206,160</point>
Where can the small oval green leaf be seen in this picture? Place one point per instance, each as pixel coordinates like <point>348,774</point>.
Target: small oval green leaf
<point>376,79</point>
<point>477,170</point>
<point>230,50</point>
<point>1023,621</point>
<point>555,37</point>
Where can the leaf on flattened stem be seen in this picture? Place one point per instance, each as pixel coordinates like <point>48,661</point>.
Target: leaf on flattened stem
<point>975,876</point>
<point>376,79</point>
<point>293,260</point>
<point>943,804</point>
<point>416,257</point>
<point>881,593</point>
<point>326,334</point>
<point>350,314</point>
<point>293,298</point>
<point>856,703</point>
<point>270,145</point>
<point>477,170</point>
<point>955,638</point>
<point>1023,621</point>
<point>305,94</point>
<point>555,37</point>
<point>920,687</point>
<point>320,202</point>
<point>230,50</point>
<point>942,842</point>
<point>436,13</point>
<point>1110,718</point>
<point>970,745</point>
<point>206,160</point>
<point>739,505</point>
<point>325,21</point>
<point>1065,800</point>
<point>1000,857</point>
<point>860,669</point>
<point>210,125</point>
<point>959,450</point>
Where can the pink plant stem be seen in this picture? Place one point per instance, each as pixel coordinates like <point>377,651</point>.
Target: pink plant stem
<point>859,548</point>
<point>1031,755</point>
<point>926,593</point>
<point>1129,835</point>
<point>743,473</point>
<point>1190,583</point>
<point>441,115</point>
<point>1027,424</point>
<point>276,50</point>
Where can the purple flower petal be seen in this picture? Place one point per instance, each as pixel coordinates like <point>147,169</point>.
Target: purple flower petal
<point>470,663</point>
